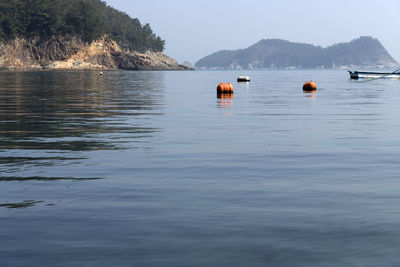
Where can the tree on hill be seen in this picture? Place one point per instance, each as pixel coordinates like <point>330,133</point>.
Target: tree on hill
<point>88,19</point>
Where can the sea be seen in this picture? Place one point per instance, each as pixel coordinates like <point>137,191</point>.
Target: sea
<point>154,168</point>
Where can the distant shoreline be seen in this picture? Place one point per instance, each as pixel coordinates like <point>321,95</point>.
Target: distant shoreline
<point>89,70</point>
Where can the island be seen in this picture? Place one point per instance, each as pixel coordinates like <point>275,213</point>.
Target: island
<point>365,52</point>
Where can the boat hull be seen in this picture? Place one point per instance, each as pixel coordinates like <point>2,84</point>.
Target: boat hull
<point>373,75</point>
<point>243,79</point>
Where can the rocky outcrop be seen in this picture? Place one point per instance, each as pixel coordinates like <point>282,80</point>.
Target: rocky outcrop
<point>71,53</point>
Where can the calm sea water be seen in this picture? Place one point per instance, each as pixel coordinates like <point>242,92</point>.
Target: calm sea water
<point>152,169</point>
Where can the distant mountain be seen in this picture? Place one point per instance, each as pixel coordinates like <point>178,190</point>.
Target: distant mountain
<point>280,54</point>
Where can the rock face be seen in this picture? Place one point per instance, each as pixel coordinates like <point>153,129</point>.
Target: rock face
<point>280,54</point>
<point>71,53</point>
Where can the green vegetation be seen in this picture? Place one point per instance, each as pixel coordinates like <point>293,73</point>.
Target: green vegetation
<point>281,54</point>
<point>88,19</point>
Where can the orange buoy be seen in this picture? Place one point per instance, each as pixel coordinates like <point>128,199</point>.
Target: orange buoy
<point>310,86</point>
<point>225,88</point>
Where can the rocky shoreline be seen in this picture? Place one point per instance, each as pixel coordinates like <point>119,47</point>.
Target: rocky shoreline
<point>72,54</point>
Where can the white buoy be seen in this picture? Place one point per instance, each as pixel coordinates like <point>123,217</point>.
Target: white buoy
<point>101,73</point>
<point>243,79</point>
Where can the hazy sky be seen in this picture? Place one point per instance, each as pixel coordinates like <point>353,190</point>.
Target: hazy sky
<point>193,29</point>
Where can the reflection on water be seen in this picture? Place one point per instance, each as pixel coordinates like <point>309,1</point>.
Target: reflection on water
<point>225,100</point>
<point>20,205</point>
<point>225,95</point>
<point>39,178</point>
<point>61,111</point>
<point>310,93</point>
<point>75,111</point>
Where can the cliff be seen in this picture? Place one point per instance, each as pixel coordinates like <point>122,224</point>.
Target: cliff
<point>71,53</point>
<point>365,52</point>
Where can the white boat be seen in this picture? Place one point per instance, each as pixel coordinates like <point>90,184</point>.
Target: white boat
<point>243,79</point>
<point>373,75</point>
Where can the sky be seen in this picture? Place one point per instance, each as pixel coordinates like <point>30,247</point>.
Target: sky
<point>194,29</point>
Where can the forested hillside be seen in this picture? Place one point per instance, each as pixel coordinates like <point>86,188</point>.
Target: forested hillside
<point>87,19</point>
<point>280,54</point>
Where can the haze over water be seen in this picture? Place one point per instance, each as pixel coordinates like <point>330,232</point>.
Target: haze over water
<point>152,169</point>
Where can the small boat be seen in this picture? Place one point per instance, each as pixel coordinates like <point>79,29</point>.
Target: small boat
<point>243,79</point>
<point>373,75</point>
